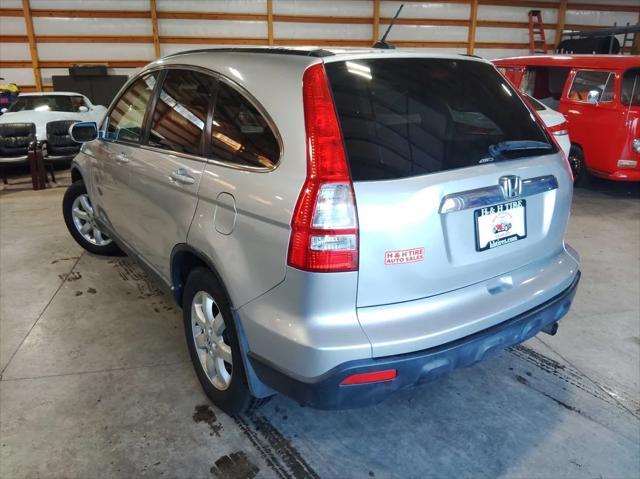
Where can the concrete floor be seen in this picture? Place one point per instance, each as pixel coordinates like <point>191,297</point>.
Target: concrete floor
<point>96,381</point>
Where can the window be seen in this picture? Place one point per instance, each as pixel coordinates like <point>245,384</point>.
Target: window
<point>592,86</point>
<point>126,121</point>
<point>180,115</point>
<point>545,84</point>
<point>510,73</point>
<point>631,87</point>
<point>404,117</point>
<point>65,103</point>
<point>240,134</point>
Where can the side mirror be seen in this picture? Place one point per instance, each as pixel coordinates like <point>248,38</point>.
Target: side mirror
<point>84,131</point>
<point>593,96</point>
<point>83,109</point>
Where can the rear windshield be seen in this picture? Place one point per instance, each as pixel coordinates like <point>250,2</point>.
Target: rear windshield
<point>404,117</point>
<point>63,103</point>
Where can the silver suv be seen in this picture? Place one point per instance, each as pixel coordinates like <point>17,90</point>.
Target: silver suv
<point>336,225</point>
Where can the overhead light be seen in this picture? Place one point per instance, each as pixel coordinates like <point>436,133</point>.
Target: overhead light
<point>359,69</point>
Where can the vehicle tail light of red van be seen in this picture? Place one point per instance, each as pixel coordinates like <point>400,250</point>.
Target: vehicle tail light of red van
<point>560,129</point>
<point>324,228</point>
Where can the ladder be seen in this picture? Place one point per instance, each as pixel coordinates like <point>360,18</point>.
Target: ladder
<point>537,39</point>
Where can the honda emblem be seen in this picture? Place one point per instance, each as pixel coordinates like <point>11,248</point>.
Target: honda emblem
<point>511,186</point>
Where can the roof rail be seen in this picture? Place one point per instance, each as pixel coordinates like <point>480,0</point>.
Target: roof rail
<point>315,52</point>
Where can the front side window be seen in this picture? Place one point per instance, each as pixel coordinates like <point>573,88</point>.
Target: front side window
<point>126,120</point>
<point>404,117</point>
<point>240,134</point>
<point>631,87</point>
<point>180,115</point>
<point>592,86</point>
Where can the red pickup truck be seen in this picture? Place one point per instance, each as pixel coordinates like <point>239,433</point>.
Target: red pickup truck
<point>600,97</point>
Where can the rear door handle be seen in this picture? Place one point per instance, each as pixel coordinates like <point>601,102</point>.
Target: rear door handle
<point>121,158</point>
<point>181,175</point>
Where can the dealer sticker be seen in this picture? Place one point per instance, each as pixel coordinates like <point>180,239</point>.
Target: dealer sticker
<point>403,256</point>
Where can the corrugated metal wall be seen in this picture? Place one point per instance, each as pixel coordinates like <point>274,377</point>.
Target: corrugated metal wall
<point>121,33</point>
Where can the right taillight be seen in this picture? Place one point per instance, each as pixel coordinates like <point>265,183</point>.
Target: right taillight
<point>324,228</point>
<point>561,129</point>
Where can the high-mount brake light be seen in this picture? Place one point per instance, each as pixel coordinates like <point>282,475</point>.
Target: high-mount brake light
<point>324,228</point>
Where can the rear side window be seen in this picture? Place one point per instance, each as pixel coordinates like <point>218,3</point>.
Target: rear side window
<point>404,117</point>
<point>180,115</point>
<point>592,86</point>
<point>126,120</point>
<point>631,87</point>
<point>240,134</point>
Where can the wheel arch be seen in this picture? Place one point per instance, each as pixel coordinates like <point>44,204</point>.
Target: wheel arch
<point>184,259</point>
<point>76,174</point>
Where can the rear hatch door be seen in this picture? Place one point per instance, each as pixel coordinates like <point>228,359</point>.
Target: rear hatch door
<point>455,180</point>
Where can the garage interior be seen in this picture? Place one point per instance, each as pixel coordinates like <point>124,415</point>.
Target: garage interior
<point>96,380</point>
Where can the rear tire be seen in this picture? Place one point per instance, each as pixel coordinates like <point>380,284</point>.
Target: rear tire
<point>79,217</point>
<point>213,343</point>
<point>578,166</point>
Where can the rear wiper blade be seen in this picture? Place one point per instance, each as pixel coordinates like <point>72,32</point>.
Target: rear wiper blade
<point>499,150</point>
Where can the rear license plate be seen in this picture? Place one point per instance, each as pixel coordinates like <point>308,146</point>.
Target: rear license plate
<point>501,224</point>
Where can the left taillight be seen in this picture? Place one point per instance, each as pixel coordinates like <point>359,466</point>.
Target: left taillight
<point>324,227</point>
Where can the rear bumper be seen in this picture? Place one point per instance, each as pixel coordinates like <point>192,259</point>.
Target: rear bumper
<point>325,392</point>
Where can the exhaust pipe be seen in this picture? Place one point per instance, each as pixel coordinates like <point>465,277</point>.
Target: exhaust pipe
<point>551,329</point>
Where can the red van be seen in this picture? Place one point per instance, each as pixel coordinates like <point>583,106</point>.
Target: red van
<point>600,97</point>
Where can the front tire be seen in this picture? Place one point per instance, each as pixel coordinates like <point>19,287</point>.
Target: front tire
<point>80,219</point>
<point>213,343</point>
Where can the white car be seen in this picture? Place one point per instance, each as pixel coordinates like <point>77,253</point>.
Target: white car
<point>555,121</point>
<point>45,117</point>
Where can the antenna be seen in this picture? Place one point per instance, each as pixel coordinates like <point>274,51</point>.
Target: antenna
<point>382,43</point>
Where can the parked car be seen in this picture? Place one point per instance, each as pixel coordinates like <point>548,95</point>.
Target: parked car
<point>555,122</point>
<point>327,219</point>
<point>45,117</point>
<point>8,94</point>
<point>600,97</point>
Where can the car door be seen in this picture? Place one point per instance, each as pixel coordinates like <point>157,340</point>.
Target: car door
<point>242,221</point>
<point>590,106</point>
<point>165,172</point>
<point>122,137</point>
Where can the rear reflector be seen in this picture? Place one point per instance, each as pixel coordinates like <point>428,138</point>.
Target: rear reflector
<point>372,377</point>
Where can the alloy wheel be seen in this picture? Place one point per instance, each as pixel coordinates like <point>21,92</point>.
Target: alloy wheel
<point>210,340</point>
<point>84,220</point>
